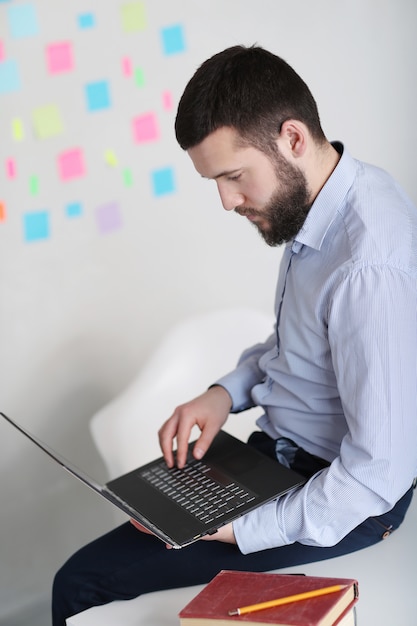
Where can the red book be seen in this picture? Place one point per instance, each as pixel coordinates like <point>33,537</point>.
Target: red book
<point>230,590</point>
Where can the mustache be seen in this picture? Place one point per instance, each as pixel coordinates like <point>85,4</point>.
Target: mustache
<point>245,211</point>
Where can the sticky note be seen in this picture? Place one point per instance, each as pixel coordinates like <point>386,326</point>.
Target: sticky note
<point>18,132</point>
<point>108,217</point>
<point>34,185</point>
<point>47,121</point>
<point>59,57</point>
<point>133,17</point>
<point>127,177</point>
<point>9,76</point>
<point>163,181</point>
<point>22,20</point>
<point>2,53</point>
<point>110,158</point>
<point>86,20</point>
<point>139,77</point>
<point>173,39</point>
<point>145,128</point>
<point>71,164</point>
<point>74,209</point>
<point>2,211</point>
<point>10,168</point>
<point>36,225</point>
<point>167,100</point>
<point>127,67</point>
<point>98,95</point>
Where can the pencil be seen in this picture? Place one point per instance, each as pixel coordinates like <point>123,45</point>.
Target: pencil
<point>295,598</point>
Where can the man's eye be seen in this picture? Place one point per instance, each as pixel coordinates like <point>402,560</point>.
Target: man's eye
<point>236,177</point>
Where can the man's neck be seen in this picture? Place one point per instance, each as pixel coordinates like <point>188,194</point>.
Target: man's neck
<point>322,164</point>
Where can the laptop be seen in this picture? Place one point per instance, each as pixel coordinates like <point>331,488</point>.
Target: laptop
<point>180,506</point>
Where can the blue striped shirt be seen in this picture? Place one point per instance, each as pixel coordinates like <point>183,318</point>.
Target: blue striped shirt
<point>339,374</point>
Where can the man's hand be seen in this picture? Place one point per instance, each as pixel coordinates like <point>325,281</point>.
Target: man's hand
<point>208,411</point>
<point>224,534</point>
<point>146,531</point>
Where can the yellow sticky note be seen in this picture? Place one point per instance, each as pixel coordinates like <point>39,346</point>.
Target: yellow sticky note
<point>110,158</point>
<point>47,121</point>
<point>17,129</point>
<point>133,17</point>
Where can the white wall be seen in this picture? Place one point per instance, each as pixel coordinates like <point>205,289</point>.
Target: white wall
<point>81,310</point>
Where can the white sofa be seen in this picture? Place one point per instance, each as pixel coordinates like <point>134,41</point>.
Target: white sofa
<point>188,359</point>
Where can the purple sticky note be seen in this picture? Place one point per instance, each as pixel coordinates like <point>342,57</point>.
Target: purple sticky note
<point>108,217</point>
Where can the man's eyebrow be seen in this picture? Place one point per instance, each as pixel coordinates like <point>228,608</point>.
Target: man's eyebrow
<point>224,173</point>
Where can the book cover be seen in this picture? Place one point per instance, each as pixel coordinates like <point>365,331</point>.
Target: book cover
<point>230,590</point>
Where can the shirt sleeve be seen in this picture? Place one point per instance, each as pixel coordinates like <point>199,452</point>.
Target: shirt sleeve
<point>373,340</point>
<point>248,373</point>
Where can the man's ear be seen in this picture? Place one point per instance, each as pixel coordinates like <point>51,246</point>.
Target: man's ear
<point>292,139</point>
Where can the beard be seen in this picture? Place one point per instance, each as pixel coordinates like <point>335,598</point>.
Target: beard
<point>288,207</point>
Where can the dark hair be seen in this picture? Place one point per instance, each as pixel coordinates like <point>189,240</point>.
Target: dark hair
<point>249,89</point>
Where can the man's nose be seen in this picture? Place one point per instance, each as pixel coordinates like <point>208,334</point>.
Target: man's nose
<point>230,198</point>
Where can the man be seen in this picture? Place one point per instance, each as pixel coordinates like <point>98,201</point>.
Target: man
<point>337,380</point>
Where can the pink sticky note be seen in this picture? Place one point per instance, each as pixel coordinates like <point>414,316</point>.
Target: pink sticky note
<point>10,168</point>
<point>145,128</point>
<point>127,66</point>
<point>2,54</point>
<point>167,100</point>
<point>59,57</point>
<point>71,164</point>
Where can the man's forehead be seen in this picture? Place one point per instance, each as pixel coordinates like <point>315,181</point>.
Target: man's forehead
<point>220,154</point>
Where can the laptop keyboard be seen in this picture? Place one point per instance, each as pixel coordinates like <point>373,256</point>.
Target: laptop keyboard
<point>201,490</point>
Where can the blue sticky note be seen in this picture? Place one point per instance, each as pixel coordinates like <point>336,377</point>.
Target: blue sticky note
<point>23,21</point>
<point>98,95</point>
<point>86,20</point>
<point>74,209</point>
<point>9,76</point>
<point>173,39</point>
<point>36,225</point>
<point>163,181</point>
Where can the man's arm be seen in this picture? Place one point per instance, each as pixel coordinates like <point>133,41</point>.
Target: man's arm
<point>210,410</point>
<point>373,341</point>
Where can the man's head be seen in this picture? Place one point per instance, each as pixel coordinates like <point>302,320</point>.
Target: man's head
<point>250,123</point>
<point>250,90</point>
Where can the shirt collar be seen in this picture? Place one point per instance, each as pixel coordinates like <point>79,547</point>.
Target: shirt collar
<point>328,202</point>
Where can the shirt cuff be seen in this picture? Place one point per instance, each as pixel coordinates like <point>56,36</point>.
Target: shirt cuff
<point>259,530</point>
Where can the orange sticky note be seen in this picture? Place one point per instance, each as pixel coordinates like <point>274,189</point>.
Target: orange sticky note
<point>2,212</point>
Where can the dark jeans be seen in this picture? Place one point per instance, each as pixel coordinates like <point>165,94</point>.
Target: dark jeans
<point>126,563</point>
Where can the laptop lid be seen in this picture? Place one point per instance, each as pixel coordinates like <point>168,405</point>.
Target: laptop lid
<point>234,479</point>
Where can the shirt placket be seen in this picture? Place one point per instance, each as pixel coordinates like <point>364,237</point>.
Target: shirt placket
<point>287,260</point>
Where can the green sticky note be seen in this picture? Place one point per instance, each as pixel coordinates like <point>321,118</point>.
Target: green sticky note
<point>127,177</point>
<point>17,129</point>
<point>47,121</point>
<point>34,185</point>
<point>133,17</point>
<point>139,77</point>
